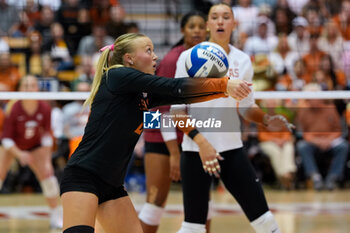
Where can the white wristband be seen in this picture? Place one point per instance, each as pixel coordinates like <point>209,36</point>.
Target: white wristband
<point>46,140</point>
<point>7,143</point>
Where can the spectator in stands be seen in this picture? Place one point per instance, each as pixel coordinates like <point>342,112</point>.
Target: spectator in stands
<point>245,14</point>
<point>99,11</point>
<point>332,43</point>
<point>282,59</point>
<point>8,17</point>
<point>9,74</point>
<point>67,16</point>
<point>43,25</point>
<point>336,76</point>
<point>75,117</point>
<point>48,66</point>
<point>84,25</point>
<point>261,43</point>
<point>265,10</point>
<point>31,7</point>
<point>283,20</point>
<point>320,6</point>
<point>89,45</point>
<point>85,71</point>
<point>314,19</point>
<point>278,146</point>
<point>33,55</point>
<point>23,27</point>
<point>298,40</point>
<point>58,47</point>
<point>116,26</point>
<point>32,10</point>
<point>301,76</point>
<point>313,58</point>
<point>294,81</point>
<point>343,20</point>
<point>320,78</point>
<point>320,124</point>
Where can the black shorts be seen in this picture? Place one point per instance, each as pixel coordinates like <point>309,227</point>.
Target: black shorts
<point>82,180</point>
<point>157,147</point>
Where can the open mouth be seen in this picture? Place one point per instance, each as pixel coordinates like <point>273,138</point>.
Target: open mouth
<point>220,30</point>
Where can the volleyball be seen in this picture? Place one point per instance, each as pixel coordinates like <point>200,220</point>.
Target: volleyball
<point>207,59</point>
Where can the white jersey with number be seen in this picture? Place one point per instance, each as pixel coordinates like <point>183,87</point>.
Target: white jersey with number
<point>240,67</point>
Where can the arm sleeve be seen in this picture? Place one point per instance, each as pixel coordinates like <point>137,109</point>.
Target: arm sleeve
<point>247,75</point>
<point>165,90</point>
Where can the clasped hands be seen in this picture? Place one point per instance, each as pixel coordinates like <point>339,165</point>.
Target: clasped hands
<point>238,89</point>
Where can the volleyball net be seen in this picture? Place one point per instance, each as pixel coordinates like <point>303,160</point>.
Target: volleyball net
<point>257,95</point>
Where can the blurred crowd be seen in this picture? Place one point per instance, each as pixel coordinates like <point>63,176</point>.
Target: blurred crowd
<point>294,45</point>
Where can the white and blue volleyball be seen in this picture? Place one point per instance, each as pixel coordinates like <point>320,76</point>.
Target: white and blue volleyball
<point>207,59</point>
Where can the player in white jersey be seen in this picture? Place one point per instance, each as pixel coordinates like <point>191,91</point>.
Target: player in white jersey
<point>220,153</point>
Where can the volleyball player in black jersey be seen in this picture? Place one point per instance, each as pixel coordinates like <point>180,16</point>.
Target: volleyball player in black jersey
<point>124,85</point>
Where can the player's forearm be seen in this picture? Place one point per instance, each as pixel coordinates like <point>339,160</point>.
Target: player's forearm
<point>199,139</point>
<point>180,115</point>
<point>173,147</point>
<point>192,132</point>
<point>255,114</point>
<point>191,87</point>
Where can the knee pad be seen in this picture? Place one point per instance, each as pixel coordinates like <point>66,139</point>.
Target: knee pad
<point>151,214</point>
<point>210,210</point>
<point>188,227</point>
<point>79,229</point>
<point>50,187</point>
<point>266,223</point>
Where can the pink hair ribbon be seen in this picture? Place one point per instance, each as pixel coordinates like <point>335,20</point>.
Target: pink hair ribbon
<point>110,47</point>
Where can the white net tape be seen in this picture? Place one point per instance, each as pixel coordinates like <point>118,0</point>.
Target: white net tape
<point>257,95</point>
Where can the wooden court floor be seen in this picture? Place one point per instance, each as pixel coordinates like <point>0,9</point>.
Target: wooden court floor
<point>296,212</point>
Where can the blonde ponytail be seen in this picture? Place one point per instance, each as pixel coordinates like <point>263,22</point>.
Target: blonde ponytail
<point>100,68</point>
<point>122,45</point>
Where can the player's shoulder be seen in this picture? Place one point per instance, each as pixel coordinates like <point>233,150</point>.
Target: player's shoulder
<point>11,106</point>
<point>184,54</point>
<point>122,72</point>
<point>235,52</point>
<point>176,50</point>
<point>118,69</point>
<point>173,55</point>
